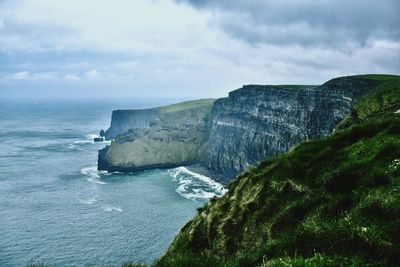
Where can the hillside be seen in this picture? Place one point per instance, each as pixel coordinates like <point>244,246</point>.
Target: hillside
<point>333,201</point>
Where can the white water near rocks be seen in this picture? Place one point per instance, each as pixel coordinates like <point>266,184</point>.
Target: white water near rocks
<point>196,186</point>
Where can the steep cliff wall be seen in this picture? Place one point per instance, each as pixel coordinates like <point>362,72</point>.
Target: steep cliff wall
<point>335,99</point>
<point>123,120</point>
<point>174,138</point>
<point>256,121</point>
<point>251,124</point>
<point>334,201</point>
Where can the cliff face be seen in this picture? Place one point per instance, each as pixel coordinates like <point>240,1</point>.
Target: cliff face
<point>335,99</point>
<point>251,124</point>
<point>334,201</point>
<point>256,122</point>
<point>173,138</point>
<point>123,120</point>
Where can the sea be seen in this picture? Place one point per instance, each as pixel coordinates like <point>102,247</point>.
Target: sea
<point>57,209</point>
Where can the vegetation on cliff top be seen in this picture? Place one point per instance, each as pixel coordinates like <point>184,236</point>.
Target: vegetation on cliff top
<point>194,104</point>
<point>379,103</point>
<point>330,202</point>
<point>338,197</point>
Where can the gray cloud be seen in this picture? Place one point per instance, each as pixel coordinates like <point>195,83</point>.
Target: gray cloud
<point>35,29</point>
<point>336,24</point>
<point>34,36</point>
<point>163,49</point>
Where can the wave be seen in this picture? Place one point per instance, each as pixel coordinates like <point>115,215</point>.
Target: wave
<point>93,174</point>
<point>109,208</point>
<point>95,181</point>
<point>73,147</point>
<point>92,136</point>
<point>88,201</point>
<point>82,142</point>
<point>51,147</point>
<point>196,186</point>
<point>90,140</point>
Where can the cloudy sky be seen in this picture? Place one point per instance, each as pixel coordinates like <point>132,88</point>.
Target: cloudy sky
<point>189,48</point>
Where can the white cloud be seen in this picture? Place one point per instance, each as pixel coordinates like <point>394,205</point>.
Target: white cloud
<point>22,75</point>
<point>44,76</point>
<point>71,77</point>
<point>35,76</point>
<point>92,74</point>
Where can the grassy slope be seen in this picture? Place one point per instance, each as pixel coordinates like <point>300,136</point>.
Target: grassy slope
<point>187,105</point>
<point>334,201</point>
<point>194,111</point>
<point>379,103</point>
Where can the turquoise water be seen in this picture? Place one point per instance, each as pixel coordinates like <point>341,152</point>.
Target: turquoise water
<point>55,206</point>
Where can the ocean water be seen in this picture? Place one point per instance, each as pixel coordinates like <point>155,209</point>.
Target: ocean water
<point>56,207</point>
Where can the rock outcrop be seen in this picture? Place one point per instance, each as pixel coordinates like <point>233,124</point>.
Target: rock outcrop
<point>123,120</point>
<point>173,138</point>
<point>252,123</point>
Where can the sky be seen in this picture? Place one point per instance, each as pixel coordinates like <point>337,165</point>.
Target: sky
<point>189,48</point>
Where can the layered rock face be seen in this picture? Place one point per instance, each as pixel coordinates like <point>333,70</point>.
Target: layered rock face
<point>334,100</point>
<point>173,138</point>
<point>123,120</point>
<point>256,122</point>
<point>252,123</point>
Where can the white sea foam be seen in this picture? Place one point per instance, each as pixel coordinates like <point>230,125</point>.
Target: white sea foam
<point>398,111</point>
<point>93,174</point>
<point>200,193</point>
<point>82,142</point>
<point>92,180</point>
<point>109,208</point>
<point>72,146</point>
<point>88,201</point>
<point>90,140</point>
<point>195,186</point>
<point>91,171</point>
<point>92,136</point>
<point>213,184</point>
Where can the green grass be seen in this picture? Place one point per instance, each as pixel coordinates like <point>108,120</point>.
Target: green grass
<point>328,202</point>
<point>338,196</point>
<point>382,102</point>
<point>381,77</point>
<point>316,260</point>
<point>187,105</point>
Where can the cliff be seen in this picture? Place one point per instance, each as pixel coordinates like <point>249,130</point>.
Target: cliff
<point>251,124</point>
<point>256,122</point>
<point>173,137</point>
<point>123,120</point>
<point>334,201</point>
